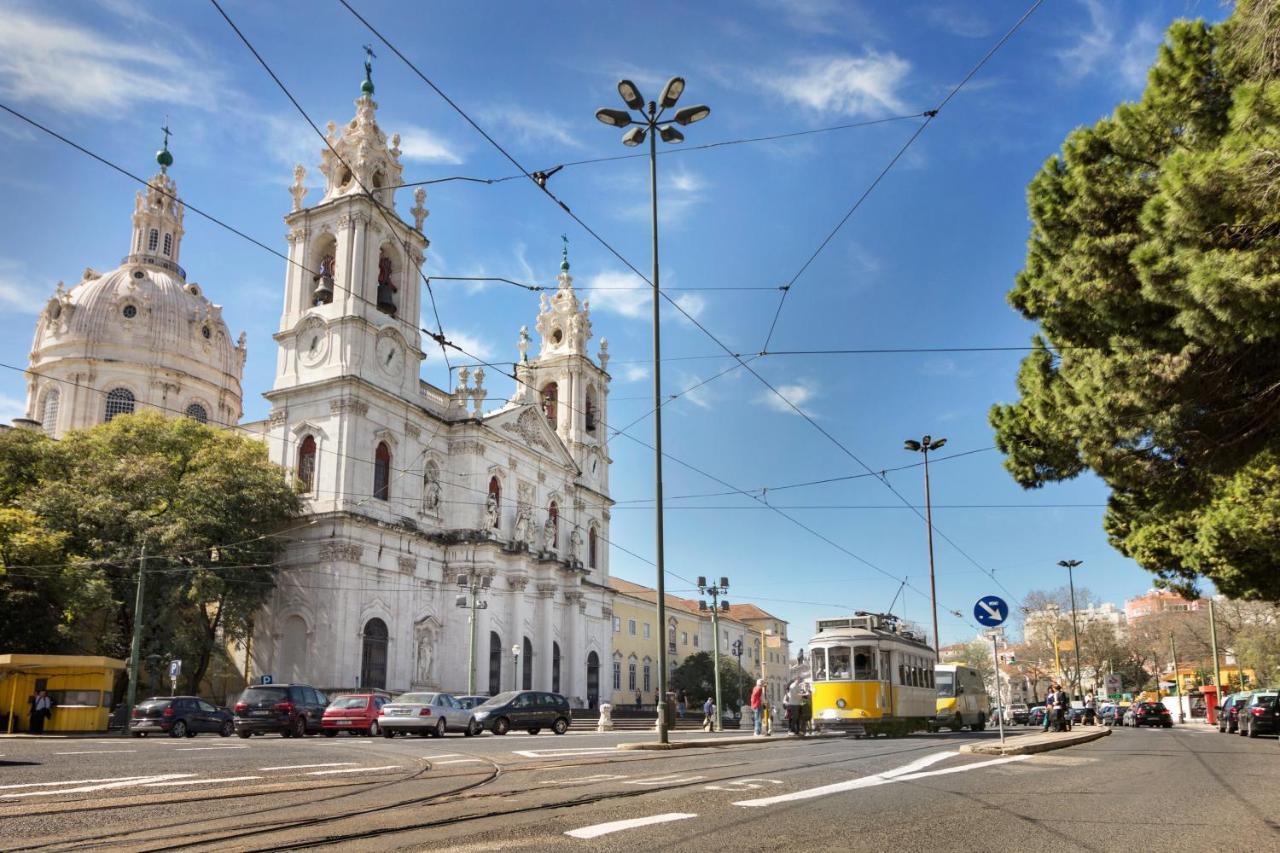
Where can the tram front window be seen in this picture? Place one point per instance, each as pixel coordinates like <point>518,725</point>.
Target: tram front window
<point>864,664</point>
<point>818,664</point>
<point>946,683</point>
<point>839,659</point>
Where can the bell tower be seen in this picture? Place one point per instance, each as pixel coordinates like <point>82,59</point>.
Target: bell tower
<point>351,288</point>
<point>571,389</point>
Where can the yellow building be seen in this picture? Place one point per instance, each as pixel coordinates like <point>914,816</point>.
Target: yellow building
<point>771,652</point>
<point>80,687</point>
<point>634,664</point>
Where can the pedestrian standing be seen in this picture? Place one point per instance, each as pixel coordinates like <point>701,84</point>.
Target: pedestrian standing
<point>708,712</point>
<point>757,704</point>
<point>793,702</point>
<point>639,701</point>
<point>1090,708</point>
<point>41,709</point>
<point>681,703</point>
<point>1049,701</point>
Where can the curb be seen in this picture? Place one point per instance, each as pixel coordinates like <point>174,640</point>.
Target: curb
<point>703,743</point>
<point>1012,747</point>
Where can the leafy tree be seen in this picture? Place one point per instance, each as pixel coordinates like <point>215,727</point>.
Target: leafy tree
<point>1153,269</point>
<point>976,654</point>
<point>200,500</point>
<point>696,678</point>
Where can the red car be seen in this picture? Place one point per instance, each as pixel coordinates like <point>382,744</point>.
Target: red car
<point>356,713</point>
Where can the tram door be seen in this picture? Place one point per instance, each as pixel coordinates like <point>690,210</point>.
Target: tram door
<point>886,688</point>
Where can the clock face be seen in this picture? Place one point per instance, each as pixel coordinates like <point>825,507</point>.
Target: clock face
<point>594,467</point>
<point>312,343</point>
<point>390,355</point>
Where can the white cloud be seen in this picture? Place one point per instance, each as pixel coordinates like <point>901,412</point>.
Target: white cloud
<point>473,346</point>
<point>679,191</point>
<point>10,408</point>
<point>531,127</point>
<point>820,17</point>
<point>74,69</point>
<point>693,305</point>
<point>698,396</point>
<point>800,392</point>
<point>864,85</point>
<point>623,293</point>
<point>18,292</point>
<point>1103,50</point>
<point>963,22</point>
<point>422,145</point>
<point>634,373</point>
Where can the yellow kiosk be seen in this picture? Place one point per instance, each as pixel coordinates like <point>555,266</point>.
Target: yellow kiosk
<point>79,685</point>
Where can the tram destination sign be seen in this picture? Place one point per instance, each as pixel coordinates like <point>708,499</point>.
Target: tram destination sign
<point>991,611</point>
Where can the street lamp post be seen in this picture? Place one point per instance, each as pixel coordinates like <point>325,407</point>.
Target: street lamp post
<point>648,125</point>
<point>515,675</point>
<point>1070,566</point>
<point>472,585</point>
<point>924,445</point>
<point>714,591</point>
<point>135,644</point>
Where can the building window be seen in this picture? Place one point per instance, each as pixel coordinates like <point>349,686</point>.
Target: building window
<point>382,472</point>
<point>495,492</point>
<point>684,637</point>
<point>526,663</point>
<point>695,641</point>
<point>495,664</point>
<point>591,548</point>
<point>373,657</point>
<point>550,397</point>
<point>647,677</point>
<point>168,245</point>
<point>197,413</point>
<point>307,463</point>
<point>617,624</point>
<point>646,630</point>
<point>631,627</point>
<point>153,239</point>
<point>49,417</point>
<point>631,675</point>
<point>119,402</point>
<point>555,667</point>
<point>617,675</point>
<point>129,311</point>
<point>590,410</point>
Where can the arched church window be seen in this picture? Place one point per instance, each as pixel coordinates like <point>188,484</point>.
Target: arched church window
<point>495,663</point>
<point>119,402</point>
<point>382,472</point>
<point>550,396</point>
<point>153,239</point>
<point>555,667</point>
<point>322,284</point>
<point>386,284</point>
<point>197,413</point>
<point>307,463</point>
<point>526,664</point>
<point>168,245</point>
<point>495,492</point>
<point>49,415</point>
<point>590,410</point>
<point>648,675</point>
<point>592,538</point>
<point>373,657</point>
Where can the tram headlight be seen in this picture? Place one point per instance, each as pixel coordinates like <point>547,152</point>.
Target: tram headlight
<point>840,703</point>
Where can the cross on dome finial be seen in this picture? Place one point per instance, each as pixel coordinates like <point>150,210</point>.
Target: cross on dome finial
<point>367,86</point>
<point>564,254</point>
<point>163,157</point>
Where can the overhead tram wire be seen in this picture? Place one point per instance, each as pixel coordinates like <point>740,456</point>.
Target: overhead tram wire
<point>387,216</point>
<point>547,288</point>
<point>929,116</point>
<point>604,243</point>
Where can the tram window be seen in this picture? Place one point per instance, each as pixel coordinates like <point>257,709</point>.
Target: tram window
<point>839,658</point>
<point>818,664</point>
<point>928,674</point>
<point>902,673</point>
<point>864,664</point>
<point>946,683</point>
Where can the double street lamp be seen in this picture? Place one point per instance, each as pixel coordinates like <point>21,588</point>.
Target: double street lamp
<point>1070,566</point>
<point>924,445</point>
<point>714,591</point>
<point>650,124</point>
<point>472,586</point>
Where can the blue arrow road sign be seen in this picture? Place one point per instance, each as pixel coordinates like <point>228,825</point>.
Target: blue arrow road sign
<point>990,611</point>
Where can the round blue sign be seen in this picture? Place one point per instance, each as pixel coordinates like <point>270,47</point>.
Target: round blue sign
<point>990,611</point>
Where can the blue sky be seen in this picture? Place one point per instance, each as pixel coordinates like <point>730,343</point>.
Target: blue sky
<point>925,262</point>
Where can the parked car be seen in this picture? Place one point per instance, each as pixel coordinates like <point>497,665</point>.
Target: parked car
<point>179,716</point>
<point>1259,716</point>
<point>1110,715</point>
<point>1019,712</point>
<point>1148,714</point>
<point>293,710</point>
<point>1036,716</point>
<point>356,713</point>
<point>530,710</point>
<point>426,714</point>
<point>1229,712</point>
<point>472,701</point>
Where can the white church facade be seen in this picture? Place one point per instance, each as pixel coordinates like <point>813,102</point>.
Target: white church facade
<point>407,487</point>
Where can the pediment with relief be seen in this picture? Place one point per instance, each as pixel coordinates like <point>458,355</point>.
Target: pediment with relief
<point>530,426</point>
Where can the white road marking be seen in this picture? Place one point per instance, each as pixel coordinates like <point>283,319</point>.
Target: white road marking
<point>305,766</point>
<point>200,781</point>
<point>920,763</point>
<point>550,753</point>
<point>354,770</point>
<point>97,752</point>
<point>873,781</point>
<point>203,748</point>
<point>741,785</point>
<point>445,755</point>
<point>71,782</point>
<point>618,825</point>
<point>461,761</point>
<point>585,780</point>
<point>669,779</point>
<point>123,783</point>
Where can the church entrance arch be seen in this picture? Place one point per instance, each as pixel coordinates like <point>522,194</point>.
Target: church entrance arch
<point>526,674</point>
<point>373,658</point>
<point>495,663</point>
<point>593,680</point>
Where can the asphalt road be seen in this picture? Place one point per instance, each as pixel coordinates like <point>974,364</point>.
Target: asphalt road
<point>1183,789</point>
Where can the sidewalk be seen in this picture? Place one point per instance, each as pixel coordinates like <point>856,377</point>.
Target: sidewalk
<point>731,740</point>
<point>1028,744</point>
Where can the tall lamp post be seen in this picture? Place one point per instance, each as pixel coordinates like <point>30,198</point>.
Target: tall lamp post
<point>647,124</point>
<point>515,657</point>
<point>1070,566</point>
<point>924,445</point>
<point>472,585</point>
<point>714,591</point>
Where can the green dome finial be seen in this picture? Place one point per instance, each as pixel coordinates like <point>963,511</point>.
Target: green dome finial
<point>163,157</point>
<point>564,254</point>
<point>366,87</point>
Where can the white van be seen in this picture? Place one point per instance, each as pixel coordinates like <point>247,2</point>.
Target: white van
<point>962,698</point>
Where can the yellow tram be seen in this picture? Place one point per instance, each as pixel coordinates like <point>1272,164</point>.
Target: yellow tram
<point>871,676</point>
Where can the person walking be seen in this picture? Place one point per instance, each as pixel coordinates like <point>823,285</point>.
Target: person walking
<point>1049,702</point>
<point>757,704</point>
<point>1090,709</point>
<point>41,710</point>
<point>793,702</point>
<point>682,702</point>
<point>709,715</point>
<point>639,701</point>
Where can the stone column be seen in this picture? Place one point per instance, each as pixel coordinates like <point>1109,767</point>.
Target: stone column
<point>515,611</point>
<point>545,637</point>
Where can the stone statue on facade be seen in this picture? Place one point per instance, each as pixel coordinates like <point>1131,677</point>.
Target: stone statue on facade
<point>523,523</point>
<point>425,641</point>
<point>575,546</point>
<point>431,494</point>
<point>298,190</point>
<point>491,512</point>
<point>549,534</point>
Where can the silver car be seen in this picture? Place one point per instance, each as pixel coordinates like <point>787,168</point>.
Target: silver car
<point>426,714</point>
